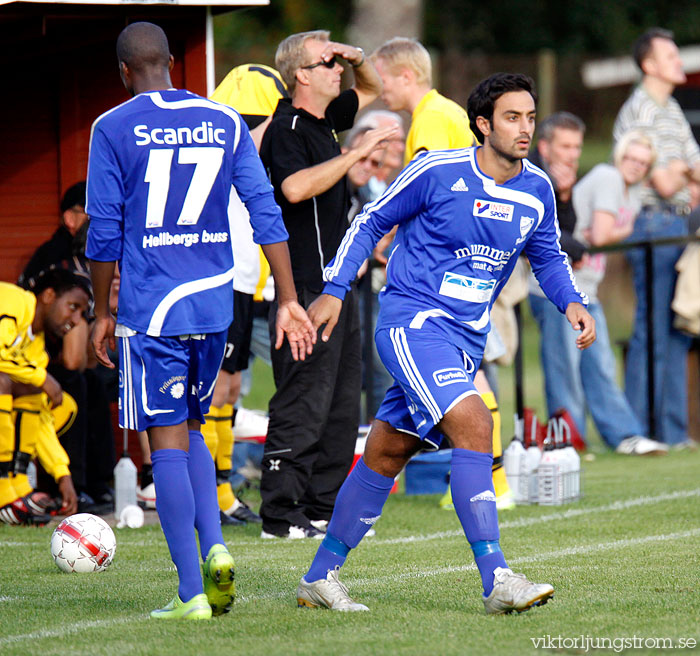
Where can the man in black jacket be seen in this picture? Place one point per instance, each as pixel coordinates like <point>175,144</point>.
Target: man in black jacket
<point>314,413</point>
<point>66,248</point>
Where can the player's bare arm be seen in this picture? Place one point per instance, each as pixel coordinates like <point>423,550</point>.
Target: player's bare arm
<point>292,319</point>
<point>69,497</point>
<point>103,332</point>
<point>314,180</point>
<point>53,390</point>
<point>325,310</point>
<point>580,319</point>
<point>670,179</point>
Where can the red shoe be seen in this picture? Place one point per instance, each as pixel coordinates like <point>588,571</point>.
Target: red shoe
<point>577,440</point>
<point>533,430</point>
<point>24,511</point>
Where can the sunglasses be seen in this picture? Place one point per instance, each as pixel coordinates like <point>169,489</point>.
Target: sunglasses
<point>328,64</point>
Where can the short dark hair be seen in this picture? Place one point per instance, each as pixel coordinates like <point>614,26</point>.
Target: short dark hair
<point>61,281</point>
<point>143,45</point>
<point>74,195</point>
<point>643,45</point>
<point>561,120</point>
<point>484,96</point>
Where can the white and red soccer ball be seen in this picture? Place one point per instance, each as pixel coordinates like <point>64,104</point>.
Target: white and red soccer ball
<point>83,543</point>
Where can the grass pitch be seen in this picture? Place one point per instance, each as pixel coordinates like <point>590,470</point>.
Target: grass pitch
<point>624,562</point>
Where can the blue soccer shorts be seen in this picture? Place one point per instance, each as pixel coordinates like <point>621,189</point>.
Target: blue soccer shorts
<point>430,375</point>
<point>164,381</point>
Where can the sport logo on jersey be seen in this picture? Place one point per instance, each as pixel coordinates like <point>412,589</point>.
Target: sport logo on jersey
<point>474,290</point>
<point>444,377</point>
<point>487,209</point>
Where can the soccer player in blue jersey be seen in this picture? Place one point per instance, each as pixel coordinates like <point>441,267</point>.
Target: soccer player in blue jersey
<point>160,172</point>
<point>464,217</point>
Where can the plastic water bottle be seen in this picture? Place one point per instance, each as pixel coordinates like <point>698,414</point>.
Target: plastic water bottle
<point>573,461</point>
<point>533,455</point>
<point>561,455</point>
<point>514,464</point>
<point>549,488</point>
<point>124,481</point>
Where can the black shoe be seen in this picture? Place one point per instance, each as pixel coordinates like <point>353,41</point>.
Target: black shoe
<point>245,514</point>
<point>227,520</point>
<point>103,506</point>
<point>146,475</point>
<point>313,532</point>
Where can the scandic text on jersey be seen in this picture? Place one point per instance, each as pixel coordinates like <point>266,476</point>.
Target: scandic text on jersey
<point>202,134</point>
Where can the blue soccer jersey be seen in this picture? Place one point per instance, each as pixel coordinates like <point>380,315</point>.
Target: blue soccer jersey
<point>160,172</point>
<point>458,240</point>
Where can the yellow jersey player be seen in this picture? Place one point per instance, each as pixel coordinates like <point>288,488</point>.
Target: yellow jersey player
<point>437,123</point>
<point>32,405</point>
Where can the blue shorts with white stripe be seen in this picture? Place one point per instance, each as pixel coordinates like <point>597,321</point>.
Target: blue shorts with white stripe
<point>164,381</point>
<point>431,376</point>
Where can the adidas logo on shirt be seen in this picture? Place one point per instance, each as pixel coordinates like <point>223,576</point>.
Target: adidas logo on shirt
<point>460,185</point>
<point>486,495</point>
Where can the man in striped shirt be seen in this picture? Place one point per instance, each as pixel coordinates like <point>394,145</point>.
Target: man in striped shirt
<point>652,109</point>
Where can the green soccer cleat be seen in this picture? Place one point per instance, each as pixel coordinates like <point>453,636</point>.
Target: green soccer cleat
<point>197,608</point>
<point>218,573</point>
<point>446,501</point>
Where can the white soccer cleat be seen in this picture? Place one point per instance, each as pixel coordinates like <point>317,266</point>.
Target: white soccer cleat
<point>514,592</point>
<point>637,445</point>
<point>295,533</point>
<point>326,593</point>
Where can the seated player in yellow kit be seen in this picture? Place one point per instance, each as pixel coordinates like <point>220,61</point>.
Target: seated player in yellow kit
<point>33,406</point>
<point>253,90</point>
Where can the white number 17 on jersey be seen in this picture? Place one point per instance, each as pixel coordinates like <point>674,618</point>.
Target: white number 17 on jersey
<point>207,163</point>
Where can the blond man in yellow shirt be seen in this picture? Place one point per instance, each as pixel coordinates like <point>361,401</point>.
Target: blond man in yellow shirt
<point>437,123</point>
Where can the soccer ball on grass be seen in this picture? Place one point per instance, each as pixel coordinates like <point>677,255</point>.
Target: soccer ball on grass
<point>83,543</point>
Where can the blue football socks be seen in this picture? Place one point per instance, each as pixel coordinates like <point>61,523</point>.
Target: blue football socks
<point>475,503</point>
<point>175,503</point>
<point>203,480</point>
<point>357,507</point>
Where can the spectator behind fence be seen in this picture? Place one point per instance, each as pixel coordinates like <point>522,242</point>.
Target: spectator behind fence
<point>665,208</point>
<point>314,413</point>
<point>558,152</point>
<point>606,202</point>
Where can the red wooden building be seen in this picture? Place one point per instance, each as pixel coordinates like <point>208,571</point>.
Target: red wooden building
<point>60,73</point>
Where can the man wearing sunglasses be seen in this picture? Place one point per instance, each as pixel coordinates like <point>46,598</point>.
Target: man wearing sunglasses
<point>314,412</point>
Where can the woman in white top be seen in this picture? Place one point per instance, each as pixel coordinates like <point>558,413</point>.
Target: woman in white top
<point>606,202</point>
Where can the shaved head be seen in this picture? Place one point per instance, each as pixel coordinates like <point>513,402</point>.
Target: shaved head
<point>143,46</point>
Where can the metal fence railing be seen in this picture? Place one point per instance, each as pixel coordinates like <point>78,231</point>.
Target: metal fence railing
<point>648,245</point>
